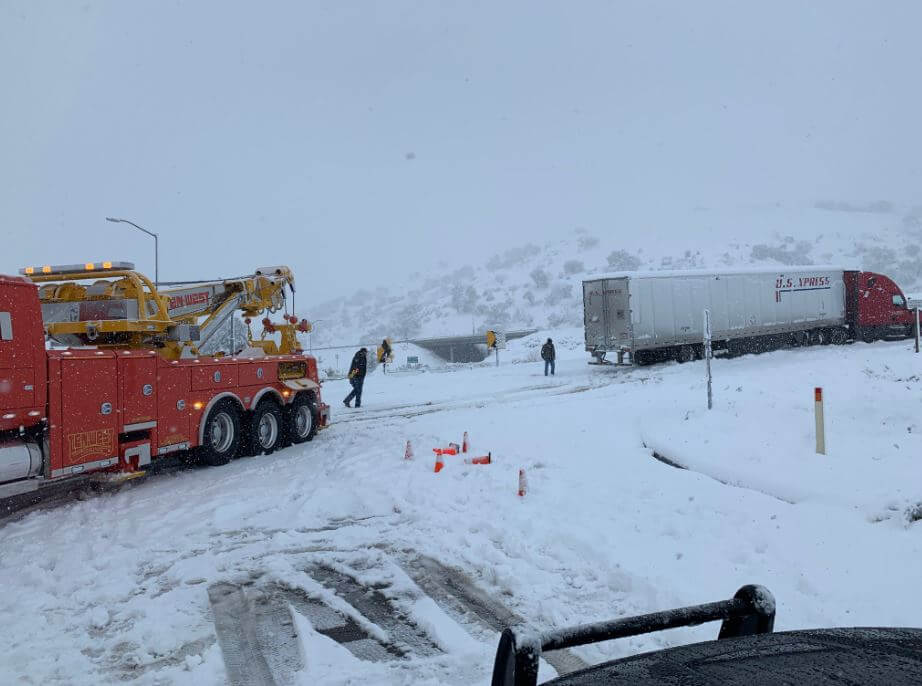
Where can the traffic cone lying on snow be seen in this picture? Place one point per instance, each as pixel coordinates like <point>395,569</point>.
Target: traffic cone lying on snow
<point>523,484</point>
<point>439,462</point>
<point>464,445</point>
<point>485,459</point>
<point>408,455</point>
<point>452,449</point>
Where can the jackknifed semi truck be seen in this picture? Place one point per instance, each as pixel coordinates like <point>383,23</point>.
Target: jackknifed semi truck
<point>656,316</point>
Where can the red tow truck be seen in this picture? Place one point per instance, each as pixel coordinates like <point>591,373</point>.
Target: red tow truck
<point>131,385</point>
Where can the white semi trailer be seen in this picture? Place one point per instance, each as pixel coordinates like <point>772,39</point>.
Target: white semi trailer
<point>656,316</point>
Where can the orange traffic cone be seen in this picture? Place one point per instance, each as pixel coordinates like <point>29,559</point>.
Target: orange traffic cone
<point>485,459</point>
<point>439,462</point>
<point>464,444</point>
<point>408,455</point>
<point>523,483</point>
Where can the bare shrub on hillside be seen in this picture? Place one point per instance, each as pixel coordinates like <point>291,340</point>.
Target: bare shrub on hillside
<point>587,242</point>
<point>573,267</point>
<point>785,253</point>
<point>513,257</point>
<point>559,293</point>
<point>623,261</point>
<point>541,278</point>
<point>463,298</point>
<point>408,321</point>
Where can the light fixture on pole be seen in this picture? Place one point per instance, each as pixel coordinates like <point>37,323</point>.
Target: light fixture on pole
<point>156,247</point>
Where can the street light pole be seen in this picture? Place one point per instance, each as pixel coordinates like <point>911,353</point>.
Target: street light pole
<point>156,246</point>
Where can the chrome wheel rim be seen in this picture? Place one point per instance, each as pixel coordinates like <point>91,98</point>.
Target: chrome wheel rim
<point>222,432</point>
<point>303,420</point>
<point>268,430</point>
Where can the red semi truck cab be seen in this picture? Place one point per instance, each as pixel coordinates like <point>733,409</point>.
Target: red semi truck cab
<point>876,307</point>
<point>79,410</point>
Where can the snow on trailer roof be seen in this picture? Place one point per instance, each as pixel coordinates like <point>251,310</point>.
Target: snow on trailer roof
<point>666,273</point>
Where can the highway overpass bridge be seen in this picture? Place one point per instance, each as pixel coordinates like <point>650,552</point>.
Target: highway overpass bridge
<point>449,348</point>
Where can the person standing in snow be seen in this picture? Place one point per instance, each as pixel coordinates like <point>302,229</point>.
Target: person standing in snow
<point>549,355</point>
<point>385,355</point>
<point>357,377</point>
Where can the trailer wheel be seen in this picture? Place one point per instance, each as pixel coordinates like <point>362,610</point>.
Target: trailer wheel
<point>642,358</point>
<point>266,428</point>
<point>685,353</point>
<point>838,336</point>
<point>302,419</point>
<point>818,337</point>
<point>222,434</point>
<point>800,338</point>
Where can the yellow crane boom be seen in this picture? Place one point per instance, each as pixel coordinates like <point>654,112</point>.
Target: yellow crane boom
<point>111,304</point>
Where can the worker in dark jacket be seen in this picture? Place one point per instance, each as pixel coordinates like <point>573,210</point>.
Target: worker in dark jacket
<point>548,354</point>
<point>357,377</point>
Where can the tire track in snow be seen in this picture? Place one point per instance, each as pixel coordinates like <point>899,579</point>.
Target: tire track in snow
<point>243,659</point>
<point>456,593</point>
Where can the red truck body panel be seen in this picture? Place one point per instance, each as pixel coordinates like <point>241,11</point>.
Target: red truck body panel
<point>173,405</point>
<point>22,355</point>
<point>880,301</point>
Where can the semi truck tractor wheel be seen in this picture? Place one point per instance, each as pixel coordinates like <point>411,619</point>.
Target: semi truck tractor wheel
<point>222,434</point>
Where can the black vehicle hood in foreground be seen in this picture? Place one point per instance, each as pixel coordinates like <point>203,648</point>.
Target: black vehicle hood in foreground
<point>844,657</point>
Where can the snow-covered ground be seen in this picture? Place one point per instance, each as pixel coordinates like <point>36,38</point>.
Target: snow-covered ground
<point>146,585</point>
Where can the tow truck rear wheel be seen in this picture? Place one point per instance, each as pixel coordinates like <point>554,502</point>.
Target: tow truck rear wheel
<point>222,434</point>
<point>302,419</point>
<point>266,428</point>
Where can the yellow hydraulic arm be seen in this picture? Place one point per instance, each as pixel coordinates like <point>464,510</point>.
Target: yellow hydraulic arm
<point>111,304</point>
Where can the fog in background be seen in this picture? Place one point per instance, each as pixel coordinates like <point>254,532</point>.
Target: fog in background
<point>362,142</point>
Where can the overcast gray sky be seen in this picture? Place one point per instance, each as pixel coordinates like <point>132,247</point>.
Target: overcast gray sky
<point>357,141</point>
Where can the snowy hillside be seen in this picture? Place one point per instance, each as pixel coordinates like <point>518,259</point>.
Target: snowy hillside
<point>538,286</point>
